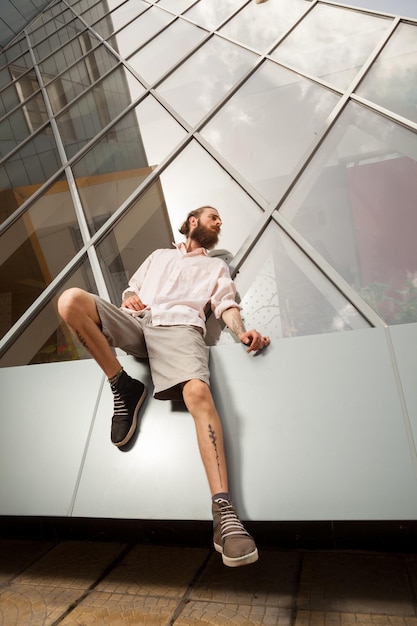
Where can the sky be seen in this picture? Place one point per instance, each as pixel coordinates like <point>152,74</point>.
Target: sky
<point>404,8</point>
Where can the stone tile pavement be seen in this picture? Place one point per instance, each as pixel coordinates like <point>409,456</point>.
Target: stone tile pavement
<point>79,582</point>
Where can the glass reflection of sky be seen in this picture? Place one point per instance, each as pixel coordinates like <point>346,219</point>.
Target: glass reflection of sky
<point>332,43</point>
<point>178,7</point>
<point>259,26</point>
<point>120,16</point>
<point>164,51</point>
<point>392,80</point>
<point>138,32</point>
<point>268,125</point>
<point>197,85</point>
<point>211,13</point>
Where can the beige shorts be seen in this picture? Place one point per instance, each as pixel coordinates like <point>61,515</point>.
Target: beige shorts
<point>176,353</point>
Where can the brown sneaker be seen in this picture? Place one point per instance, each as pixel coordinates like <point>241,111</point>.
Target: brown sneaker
<point>231,539</point>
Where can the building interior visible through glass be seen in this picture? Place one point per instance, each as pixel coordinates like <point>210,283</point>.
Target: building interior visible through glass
<point>297,120</point>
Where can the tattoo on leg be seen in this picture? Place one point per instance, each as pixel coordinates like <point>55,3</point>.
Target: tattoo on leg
<point>213,438</point>
<point>83,342</point>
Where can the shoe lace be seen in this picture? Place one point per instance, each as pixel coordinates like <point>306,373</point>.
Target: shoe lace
<point>120,410</point>
<point>230,524</point>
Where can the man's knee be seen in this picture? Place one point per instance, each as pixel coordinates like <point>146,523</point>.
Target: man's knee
<point>197,391</point>
<point>70,301</point>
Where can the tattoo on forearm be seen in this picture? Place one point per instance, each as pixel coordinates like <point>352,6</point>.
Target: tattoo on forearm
<point>212,435</point>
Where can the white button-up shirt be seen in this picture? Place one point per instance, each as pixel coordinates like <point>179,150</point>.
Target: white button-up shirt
<point>176,286</point>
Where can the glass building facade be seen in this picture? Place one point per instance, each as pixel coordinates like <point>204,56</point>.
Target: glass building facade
<point>296,119</point>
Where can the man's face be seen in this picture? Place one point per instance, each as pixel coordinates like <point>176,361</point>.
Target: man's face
<point>207,229</point>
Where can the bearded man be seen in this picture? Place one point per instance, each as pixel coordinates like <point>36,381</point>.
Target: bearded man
<point>162,318</point>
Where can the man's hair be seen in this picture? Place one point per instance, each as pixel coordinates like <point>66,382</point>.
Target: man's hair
<point>185,228</point>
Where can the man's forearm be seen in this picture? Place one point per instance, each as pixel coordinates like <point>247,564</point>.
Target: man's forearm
<point>253,340</point>
<point>233,320</point>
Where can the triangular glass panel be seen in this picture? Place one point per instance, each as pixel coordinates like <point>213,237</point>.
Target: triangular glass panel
<point>355,204</point>
<point>283,294</point>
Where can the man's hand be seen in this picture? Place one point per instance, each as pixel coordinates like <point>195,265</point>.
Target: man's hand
<point>251,338</point>
<point>254,340</point>
<point>133,302</point>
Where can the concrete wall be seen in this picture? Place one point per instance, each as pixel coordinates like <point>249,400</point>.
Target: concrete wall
<point>317,428</point>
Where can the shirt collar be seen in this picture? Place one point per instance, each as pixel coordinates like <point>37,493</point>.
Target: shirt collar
<point>196,252</point>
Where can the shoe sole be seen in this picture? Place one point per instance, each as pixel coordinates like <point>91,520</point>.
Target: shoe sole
<point>238,561</point>
<point>132,429</point>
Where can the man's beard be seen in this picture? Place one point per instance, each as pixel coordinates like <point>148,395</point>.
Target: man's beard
<point>204,236</point>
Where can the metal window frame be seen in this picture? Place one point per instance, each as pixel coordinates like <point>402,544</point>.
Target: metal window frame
<point>270,213</point>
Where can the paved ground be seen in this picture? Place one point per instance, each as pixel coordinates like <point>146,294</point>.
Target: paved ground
<point>83,582</point>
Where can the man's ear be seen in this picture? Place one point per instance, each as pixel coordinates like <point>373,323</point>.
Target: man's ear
<point>193,221</point>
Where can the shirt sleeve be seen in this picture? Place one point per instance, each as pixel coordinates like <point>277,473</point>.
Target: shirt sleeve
<point>224,295</point>
<point>137,279</point>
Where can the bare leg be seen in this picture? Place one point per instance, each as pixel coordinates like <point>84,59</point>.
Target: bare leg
<point>78,309</point>
<point>199,401</point>
<point>229,535</point>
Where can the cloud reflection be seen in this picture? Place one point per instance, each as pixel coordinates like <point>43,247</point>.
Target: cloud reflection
<point>260,26</point>
<point>392,81</point>
<point>210,13</point>
<point>206,77</point>
<point>267,126</point>
<point>332,43</point>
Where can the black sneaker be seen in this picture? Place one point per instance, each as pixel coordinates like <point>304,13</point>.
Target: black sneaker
<point>129,395</point>
<point>231,538</point>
